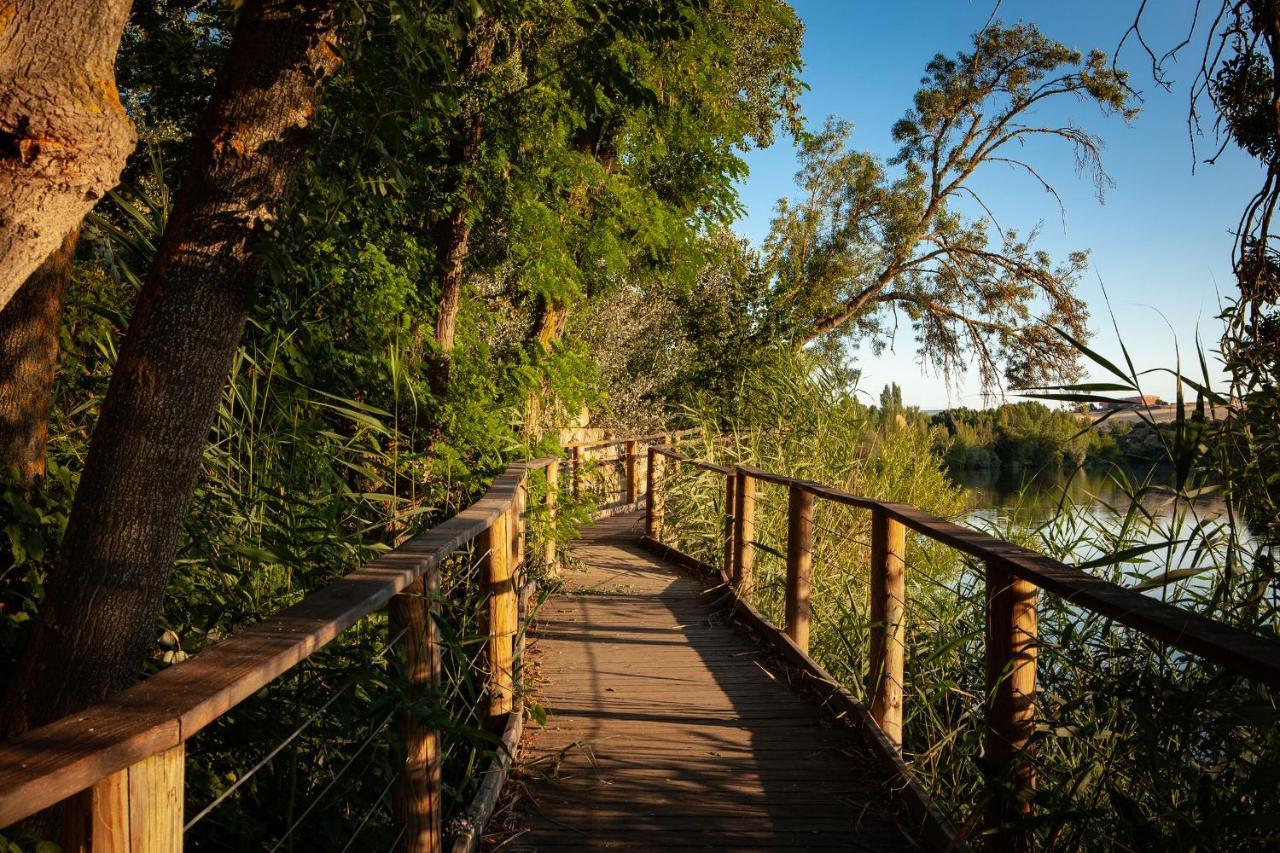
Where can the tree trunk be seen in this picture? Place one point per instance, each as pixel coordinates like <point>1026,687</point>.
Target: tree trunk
<point>455,229</point>
<point>64,136</point>
<point>28,361</point>
<point>96,623</point>
<point>455,234</point>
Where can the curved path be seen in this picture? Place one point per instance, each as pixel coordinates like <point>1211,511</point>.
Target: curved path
<point>670,728</point>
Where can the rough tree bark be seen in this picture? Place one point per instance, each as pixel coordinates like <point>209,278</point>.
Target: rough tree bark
<point>28,361</point>
<point>64,135</point>
<point>97,621</point>
<point>455,229</point>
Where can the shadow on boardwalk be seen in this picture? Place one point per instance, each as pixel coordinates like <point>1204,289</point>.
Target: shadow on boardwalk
<point>671,729</point>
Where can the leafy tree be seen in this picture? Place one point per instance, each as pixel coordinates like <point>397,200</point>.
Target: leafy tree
<point>341,283</point>
<point>861,245</point>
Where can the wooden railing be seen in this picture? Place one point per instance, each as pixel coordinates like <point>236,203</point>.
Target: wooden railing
<point>613,471</point>
<point>1013,576</point>
<point>118,768</point>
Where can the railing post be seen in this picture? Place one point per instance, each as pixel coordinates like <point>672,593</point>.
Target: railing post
<point>799,564</point>
<point>502,615</point>
<point>416,800</point>
<point>653,502</point>
<point>1011,705</point>
<point>550,501</point>
<point>575,455</point>
<point>730,521</point>
<point>888,600</point>
<point>630,469</point>
<point>517,527</point>
<point>744,531</point>
<point>136,810</point>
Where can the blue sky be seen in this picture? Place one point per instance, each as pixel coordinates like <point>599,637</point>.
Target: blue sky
<point>1160,242</point>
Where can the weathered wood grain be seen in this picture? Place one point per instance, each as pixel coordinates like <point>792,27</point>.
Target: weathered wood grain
<point>670,727</point>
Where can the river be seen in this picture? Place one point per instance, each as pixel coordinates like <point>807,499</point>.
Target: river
<point>1000,500</point>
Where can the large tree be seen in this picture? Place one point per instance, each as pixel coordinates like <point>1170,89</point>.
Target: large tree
<point>862,244</point>
<point>64,135</point>
<point>107,586</point>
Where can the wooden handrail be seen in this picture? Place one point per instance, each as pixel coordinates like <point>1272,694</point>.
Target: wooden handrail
<point>47,765</point>
<point>1237,650</point>
<point>612,442</point>
<point>672,454</point>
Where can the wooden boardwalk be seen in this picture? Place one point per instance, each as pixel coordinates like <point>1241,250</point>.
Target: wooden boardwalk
<point>670,728</point>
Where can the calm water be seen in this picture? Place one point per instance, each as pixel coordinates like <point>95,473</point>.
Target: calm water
<point>1027,499</point>
<point>1032,497</point>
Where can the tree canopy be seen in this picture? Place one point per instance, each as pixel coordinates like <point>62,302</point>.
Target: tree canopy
<point>865,241</point>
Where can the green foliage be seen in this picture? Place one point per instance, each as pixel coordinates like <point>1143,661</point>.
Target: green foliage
<point>1022,435</point>
<point>798,416</point>
<point>609,145</point>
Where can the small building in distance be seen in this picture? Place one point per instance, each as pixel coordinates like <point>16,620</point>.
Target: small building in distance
<point>1130,403</point>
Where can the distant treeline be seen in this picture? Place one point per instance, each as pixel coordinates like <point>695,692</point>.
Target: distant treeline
<point>1030,434</point>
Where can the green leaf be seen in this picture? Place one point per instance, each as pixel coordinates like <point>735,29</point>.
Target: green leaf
<point>1172,576</point>
<point>1123,556</point>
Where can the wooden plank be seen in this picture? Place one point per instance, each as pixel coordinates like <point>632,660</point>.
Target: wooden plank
<point>155,803</point>
<point>926,819</point>
<point>653,504</point>
<point>730,521</point>
<point>54,762</point>
<point>110,818</point>
<point>652,696</point>
<point>1011,706</point>
<point>799,564</point>
<point>744,532</point>
<point>550,504</point>
<point>97,820</point>
<point>501,594</point>
<point>631,479</point>
<point>575,472</point>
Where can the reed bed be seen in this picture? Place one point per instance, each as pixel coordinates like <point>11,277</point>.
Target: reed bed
<point>1138,746</point>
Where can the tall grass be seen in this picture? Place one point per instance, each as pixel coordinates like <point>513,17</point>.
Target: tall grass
<point>1137,747</point>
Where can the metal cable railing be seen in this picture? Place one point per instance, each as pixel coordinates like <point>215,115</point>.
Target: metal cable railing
<point>286,741</point>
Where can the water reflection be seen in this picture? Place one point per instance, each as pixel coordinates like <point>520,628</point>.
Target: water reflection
<point>1008,500</point>
<point>1031,497</point>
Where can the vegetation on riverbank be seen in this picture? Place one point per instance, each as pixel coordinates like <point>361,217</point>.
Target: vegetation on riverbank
<point>1138,746</point>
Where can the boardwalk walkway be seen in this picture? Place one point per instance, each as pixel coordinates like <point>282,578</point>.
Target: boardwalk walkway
<point>671,729</point>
